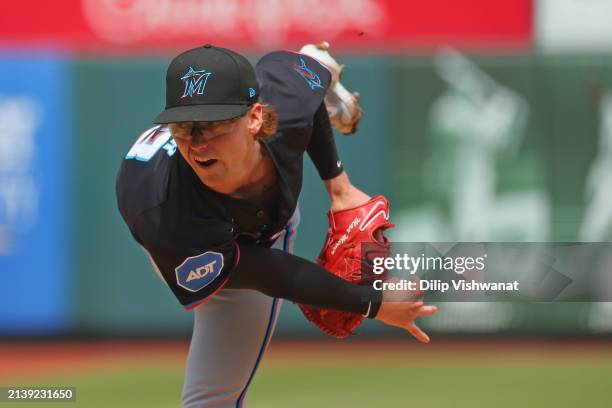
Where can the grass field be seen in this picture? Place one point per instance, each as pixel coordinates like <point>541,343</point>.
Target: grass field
<point>337,374</point>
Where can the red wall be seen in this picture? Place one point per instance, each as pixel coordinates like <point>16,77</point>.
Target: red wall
<point>368,26</point>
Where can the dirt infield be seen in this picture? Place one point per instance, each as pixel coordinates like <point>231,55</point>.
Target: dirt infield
<point>37,359</point>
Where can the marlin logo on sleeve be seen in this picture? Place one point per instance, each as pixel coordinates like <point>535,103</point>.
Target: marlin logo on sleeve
<point>197,272</point>
<point>311,78</point>
<point>195,82</point>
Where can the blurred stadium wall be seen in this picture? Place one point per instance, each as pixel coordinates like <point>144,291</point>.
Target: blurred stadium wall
<point>484,121</point>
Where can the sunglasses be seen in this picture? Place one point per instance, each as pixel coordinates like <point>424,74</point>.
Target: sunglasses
<point>185,131</point>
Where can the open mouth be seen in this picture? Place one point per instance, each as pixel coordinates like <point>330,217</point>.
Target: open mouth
<point>206,163</point>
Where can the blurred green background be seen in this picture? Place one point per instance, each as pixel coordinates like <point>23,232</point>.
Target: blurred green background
<point>483,122</point>
<point>527,184</point>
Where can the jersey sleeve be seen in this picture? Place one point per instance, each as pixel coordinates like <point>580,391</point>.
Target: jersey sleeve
<point>192,249</point>
<point>195,260</point>
<point>294,84</point>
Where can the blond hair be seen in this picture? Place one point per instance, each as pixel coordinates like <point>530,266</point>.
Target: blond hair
<point>269,124</point>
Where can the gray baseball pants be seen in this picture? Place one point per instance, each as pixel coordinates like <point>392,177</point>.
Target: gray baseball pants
<point>230,335</point>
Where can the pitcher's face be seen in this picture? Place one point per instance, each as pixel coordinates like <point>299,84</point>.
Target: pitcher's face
<point>218,152</point>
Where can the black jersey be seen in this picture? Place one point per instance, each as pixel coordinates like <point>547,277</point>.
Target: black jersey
<point>193,234</point>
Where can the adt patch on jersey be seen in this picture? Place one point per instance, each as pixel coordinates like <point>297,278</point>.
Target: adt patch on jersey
<point>197,272</point>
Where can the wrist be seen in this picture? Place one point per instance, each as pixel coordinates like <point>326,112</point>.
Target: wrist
<point>339,186</point>
<point>343,195</point>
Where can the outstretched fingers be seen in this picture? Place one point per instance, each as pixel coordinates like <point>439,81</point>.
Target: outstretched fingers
<point>417,332</point>
<point>412,328</point>
<point>426,310</point>
<point>415,305</point>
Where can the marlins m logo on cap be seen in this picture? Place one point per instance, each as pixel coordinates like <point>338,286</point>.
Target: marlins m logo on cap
<point>195,82</point>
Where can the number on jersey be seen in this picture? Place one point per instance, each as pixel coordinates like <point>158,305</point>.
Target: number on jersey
<point>150,142</point>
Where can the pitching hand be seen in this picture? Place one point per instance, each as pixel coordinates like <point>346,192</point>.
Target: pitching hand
<point>400,308</point>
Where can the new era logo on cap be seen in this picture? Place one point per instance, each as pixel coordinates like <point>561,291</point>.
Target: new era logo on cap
<point>208,84</point>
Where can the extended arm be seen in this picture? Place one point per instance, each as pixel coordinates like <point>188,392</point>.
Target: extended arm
<point>395,309</point>
<point>279,274</point>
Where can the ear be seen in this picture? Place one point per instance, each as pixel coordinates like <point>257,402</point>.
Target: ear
<point>255,118</point>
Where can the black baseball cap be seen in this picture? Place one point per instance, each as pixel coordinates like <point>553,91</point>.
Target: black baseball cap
<point>208,84</point>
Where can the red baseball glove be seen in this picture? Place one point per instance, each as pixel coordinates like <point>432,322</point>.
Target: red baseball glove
<point>341,255</point>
